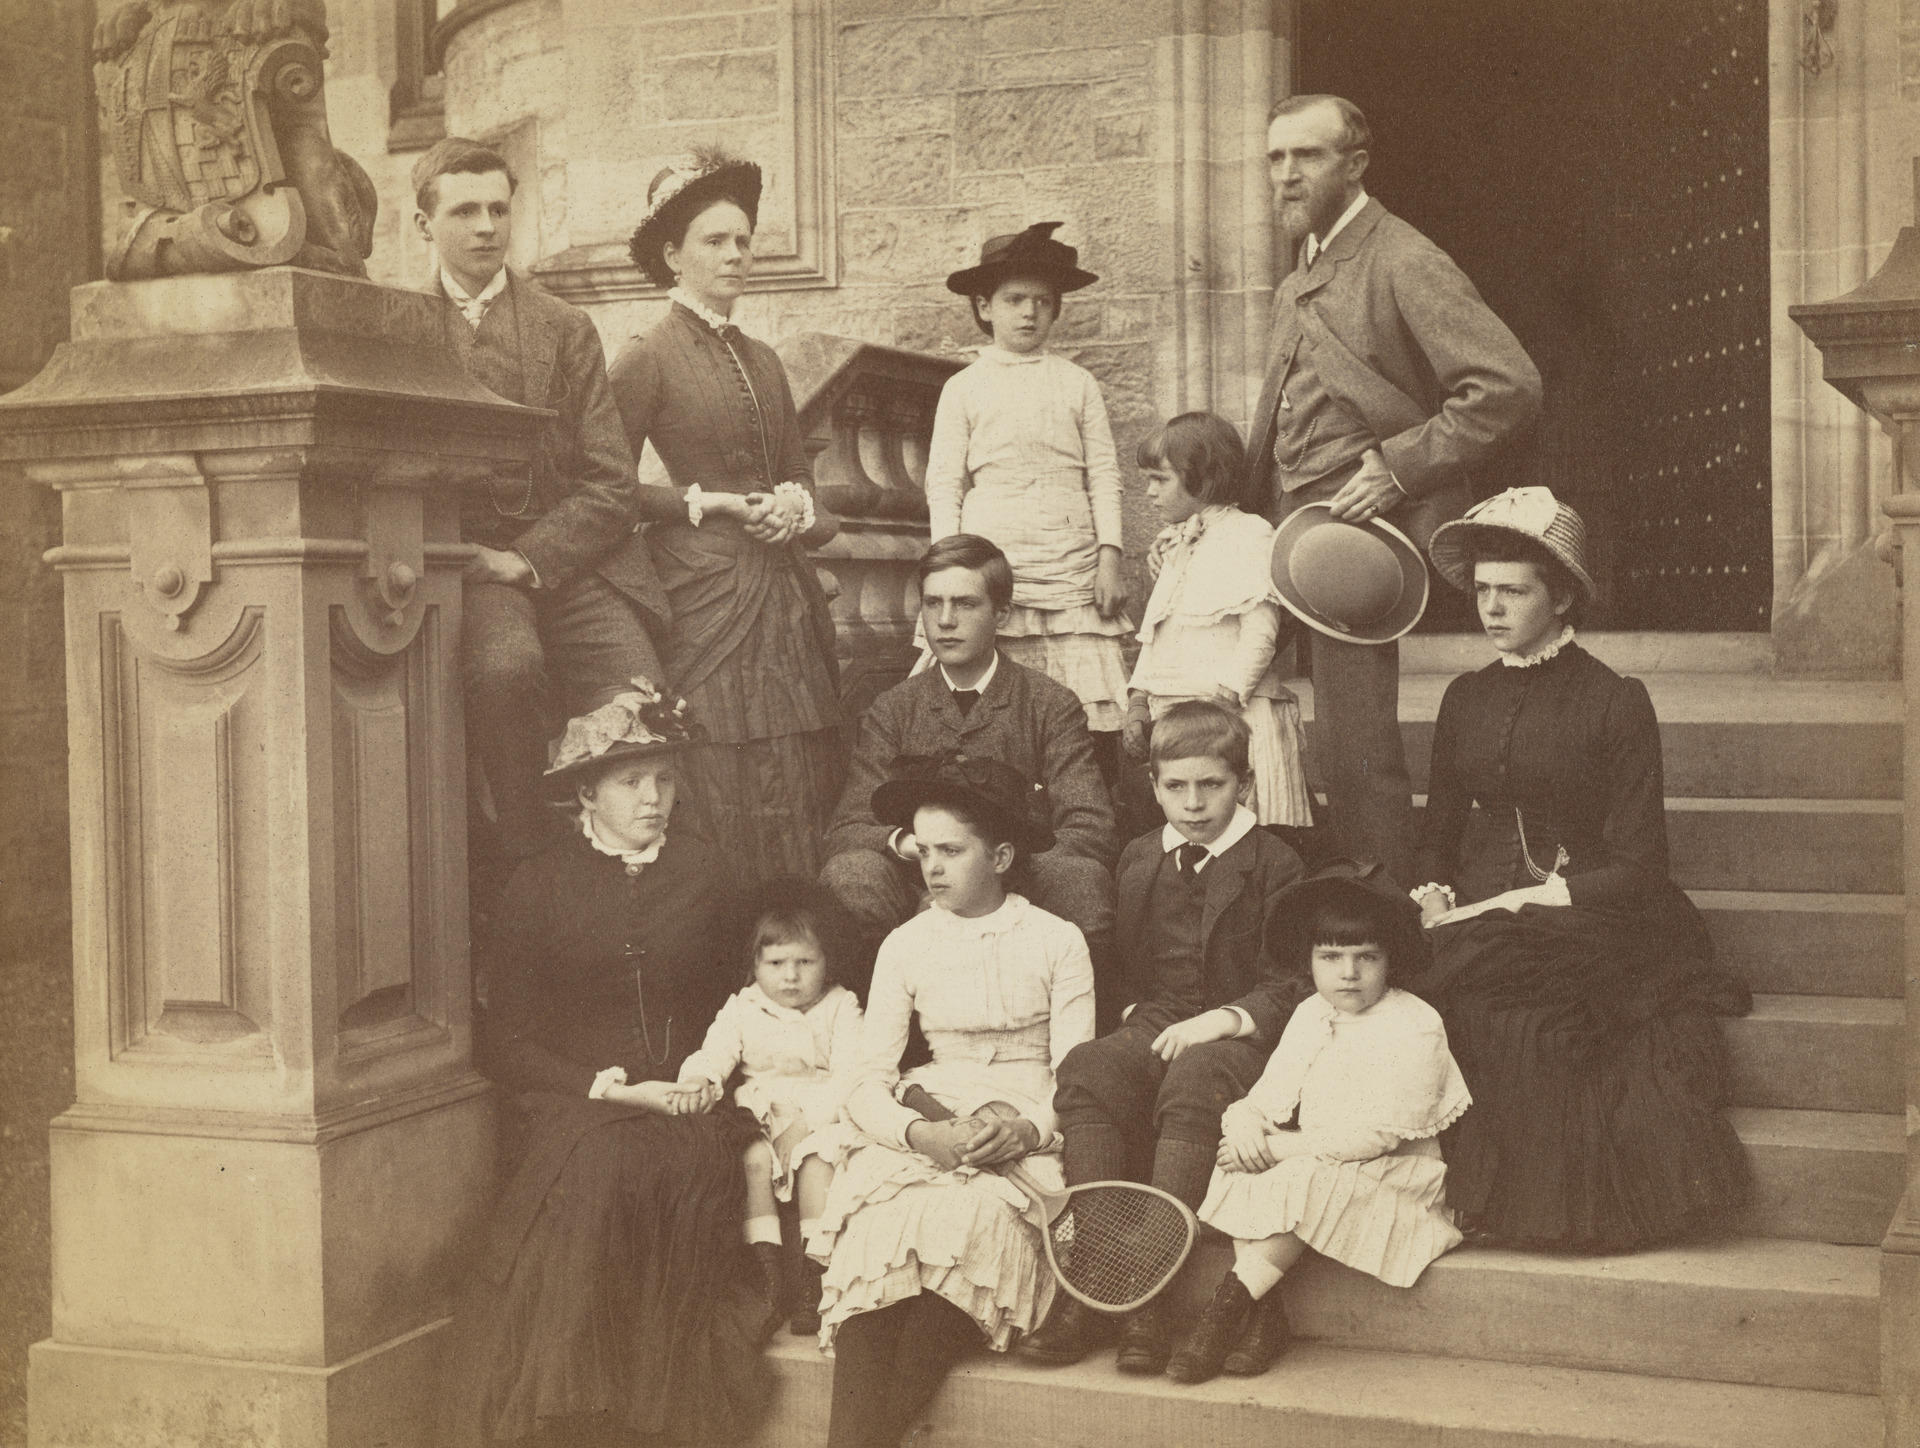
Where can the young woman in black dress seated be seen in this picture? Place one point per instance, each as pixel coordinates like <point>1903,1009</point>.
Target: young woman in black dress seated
<point>1576,980</point>
<point>615,1301</point>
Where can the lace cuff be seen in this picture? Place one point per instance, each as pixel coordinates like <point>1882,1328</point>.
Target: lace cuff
<point>612,1076</point>
<point>803,500</point>
<point>696,504</point>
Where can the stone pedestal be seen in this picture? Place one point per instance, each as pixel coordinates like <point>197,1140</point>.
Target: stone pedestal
<point>279,1144</point>
<point>1869,342</point>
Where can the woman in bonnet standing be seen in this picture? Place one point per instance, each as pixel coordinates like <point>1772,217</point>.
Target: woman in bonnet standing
<point>751,644</point>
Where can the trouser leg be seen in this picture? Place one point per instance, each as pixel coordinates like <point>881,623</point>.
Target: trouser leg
<point>504,670</point>
<point>1356,704</point>
<point>1104,1095</point>
<point>879,893</point>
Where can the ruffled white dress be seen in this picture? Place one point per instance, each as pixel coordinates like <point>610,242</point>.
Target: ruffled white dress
<point>1001,999</point>
<point>1367,1185</point>
<point>795,1065</point>
<point>1022,454</point>
<point>1213,619</point>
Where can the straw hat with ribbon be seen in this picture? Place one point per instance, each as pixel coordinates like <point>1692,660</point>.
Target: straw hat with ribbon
<point>1364,583</point>
<point>637,721</point>
<point>1532,513</point>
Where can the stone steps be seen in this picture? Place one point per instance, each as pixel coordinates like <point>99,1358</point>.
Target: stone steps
<point>1817,1053</point>
<point>1765,1311</point>
<point>1324,1396</point>
<point>1801,943</point>
<point>1824,1176</point>
<point>1807,846</point>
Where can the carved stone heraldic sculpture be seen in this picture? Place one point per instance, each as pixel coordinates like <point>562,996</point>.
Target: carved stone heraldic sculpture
<point>217,116</point>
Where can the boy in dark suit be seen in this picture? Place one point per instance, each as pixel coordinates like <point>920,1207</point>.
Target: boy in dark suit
<point>1204,1004</point>
<point>561,594</point>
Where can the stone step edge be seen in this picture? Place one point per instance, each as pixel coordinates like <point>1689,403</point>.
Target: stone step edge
<point>1805,1129</point>
<point>1319,1394</point>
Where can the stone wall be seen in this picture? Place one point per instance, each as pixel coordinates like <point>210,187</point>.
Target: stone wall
<point>896,136</point>
<point>47,224</point>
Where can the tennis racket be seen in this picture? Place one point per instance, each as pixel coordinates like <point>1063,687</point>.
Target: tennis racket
<point>1112,1245</point>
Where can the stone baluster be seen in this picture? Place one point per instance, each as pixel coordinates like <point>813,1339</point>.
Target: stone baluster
<point>279,1141</point>
<point>866,412</point>
<point>1869,342</point>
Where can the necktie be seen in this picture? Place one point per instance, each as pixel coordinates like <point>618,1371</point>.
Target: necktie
<point>965,699</point>
<point>1188,858</point>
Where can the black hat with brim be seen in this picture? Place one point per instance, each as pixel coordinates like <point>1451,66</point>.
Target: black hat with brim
<point>682,189</point>
<point>1029,253</point>
<point>1291,913</point>
<point>1005,801</point>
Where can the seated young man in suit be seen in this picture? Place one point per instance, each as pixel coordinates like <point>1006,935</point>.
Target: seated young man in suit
<point>975,701</point>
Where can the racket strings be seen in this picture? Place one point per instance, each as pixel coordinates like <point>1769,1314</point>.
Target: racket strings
<point>1118,1245</point>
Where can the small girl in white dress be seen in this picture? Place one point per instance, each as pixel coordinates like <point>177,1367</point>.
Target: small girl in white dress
<point>928,1254</point>
<point>793,1035</point>
<point>1335,1146</point>
<point>1212,623</point>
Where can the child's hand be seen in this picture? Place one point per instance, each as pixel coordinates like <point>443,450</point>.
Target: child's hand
<point>1182,1036</point>
<point>1226,698</point>
<point>1135,737</point>
<point>1243,1144</point>
<point>690,1098</point>
<point>1109,589</point>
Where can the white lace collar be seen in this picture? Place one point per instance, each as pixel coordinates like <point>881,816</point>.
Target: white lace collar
<point>1540,656</point>
<point>632,859</point>
<point>700,309</point>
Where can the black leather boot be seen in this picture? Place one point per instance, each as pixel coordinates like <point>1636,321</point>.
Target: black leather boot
<point>1214,1335</point>
<point>772,1258</point>
<point>1071,1331</point>
<point>1147,1340</point>
<point>805,1321</point>
<point>1266,1337</point>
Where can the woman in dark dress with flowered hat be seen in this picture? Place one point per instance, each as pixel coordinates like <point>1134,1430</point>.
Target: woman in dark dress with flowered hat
<point>752,643</point>
<point>615,1301</point>
<point>1575,978</point>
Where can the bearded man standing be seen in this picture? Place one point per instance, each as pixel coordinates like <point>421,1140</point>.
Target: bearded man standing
<point>1388,382</point>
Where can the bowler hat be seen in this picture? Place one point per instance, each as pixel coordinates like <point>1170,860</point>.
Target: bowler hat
<point>636,721</point>
<point>1006,801</point>
<point>680,191</point>
<point>1362,582</point>
<point>1529,512</point>
<point>1029,253</point>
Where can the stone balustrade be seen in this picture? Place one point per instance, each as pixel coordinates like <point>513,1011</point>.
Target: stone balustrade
<point>866,412</point>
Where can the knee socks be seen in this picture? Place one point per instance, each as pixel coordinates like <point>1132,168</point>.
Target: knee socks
<point>1096,1152</point>
<point>1183,1169</point>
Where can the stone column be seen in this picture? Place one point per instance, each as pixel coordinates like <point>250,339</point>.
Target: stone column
<point>279,1141</point>
<point>1869,342</point>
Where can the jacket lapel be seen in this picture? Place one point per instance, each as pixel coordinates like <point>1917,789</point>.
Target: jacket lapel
<point>1225,878</point>
<point>536,342</point>
<point>1341,249</point>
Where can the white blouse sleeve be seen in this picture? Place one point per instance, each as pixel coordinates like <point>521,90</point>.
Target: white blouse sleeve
<point>947,461</point>
<point>1253,650</point>
<point>883,1036</point>
<point>843,1045</point>
<point>720,1053</point>
<point>1103,465</point>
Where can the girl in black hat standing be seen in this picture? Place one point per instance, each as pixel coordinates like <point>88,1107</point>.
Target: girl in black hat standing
<point>751,643</point>
<point>927,1254</point>
<point>1022,455</point>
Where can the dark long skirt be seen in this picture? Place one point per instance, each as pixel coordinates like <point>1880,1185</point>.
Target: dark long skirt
<point>1598,1072</point>
<point>614,1301</point>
